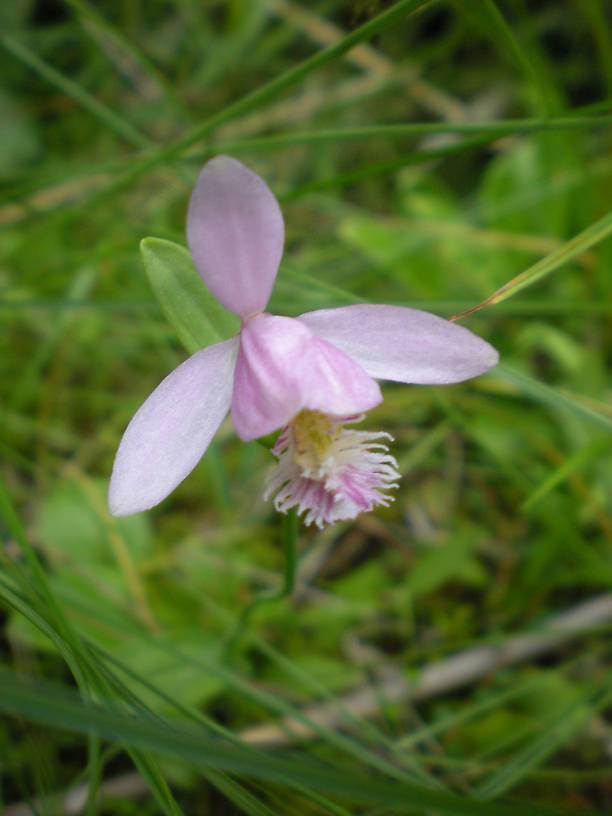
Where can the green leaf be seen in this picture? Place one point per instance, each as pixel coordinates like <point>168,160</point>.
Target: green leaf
<point>72,526</point>
<point>199,320</point>
<point>451,561</point>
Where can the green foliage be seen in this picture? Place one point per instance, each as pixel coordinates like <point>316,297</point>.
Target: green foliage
<point>438,155</point>
<point>198,319</point>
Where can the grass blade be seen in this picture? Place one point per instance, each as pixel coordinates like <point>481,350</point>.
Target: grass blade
<point>265,93</point>
<point>558,729</point>
<point>579,243</point>
<point>582,457</point>
<point>76,92</point>
<point>552,396</point>
<point>53,705</point>
<point>493,128</point>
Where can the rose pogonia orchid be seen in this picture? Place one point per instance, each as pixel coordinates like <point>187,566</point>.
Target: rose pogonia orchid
<point>306,375</point>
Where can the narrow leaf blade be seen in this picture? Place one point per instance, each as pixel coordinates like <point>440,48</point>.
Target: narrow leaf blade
<point>198,319</point>
<point>575,246</point>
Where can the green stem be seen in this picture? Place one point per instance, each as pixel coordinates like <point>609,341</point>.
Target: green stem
<point>290,539</point>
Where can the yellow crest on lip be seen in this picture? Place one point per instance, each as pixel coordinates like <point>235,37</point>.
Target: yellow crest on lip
<point>328,472</point>
<point>313,435</point>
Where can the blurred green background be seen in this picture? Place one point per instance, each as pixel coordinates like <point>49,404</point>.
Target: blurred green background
<point>456,145</point>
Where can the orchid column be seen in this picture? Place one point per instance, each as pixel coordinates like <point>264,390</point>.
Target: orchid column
<point>306,376</point>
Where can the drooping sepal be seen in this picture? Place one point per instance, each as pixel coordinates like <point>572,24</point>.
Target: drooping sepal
<point>171,430</point>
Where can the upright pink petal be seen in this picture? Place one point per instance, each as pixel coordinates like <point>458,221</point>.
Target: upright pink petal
<point>408,345</point>
<point>282,367</point>
<point>235,233</point>
<point>169,433</point>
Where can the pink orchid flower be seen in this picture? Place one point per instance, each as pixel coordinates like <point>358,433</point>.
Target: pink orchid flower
<point>306,375</point>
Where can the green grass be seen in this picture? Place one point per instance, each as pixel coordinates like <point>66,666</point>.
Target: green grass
<point>441,155</point>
